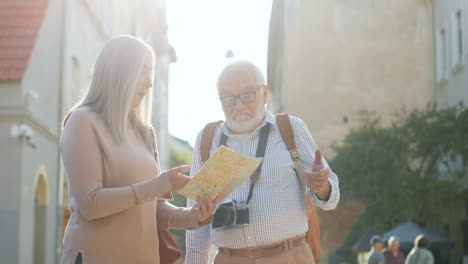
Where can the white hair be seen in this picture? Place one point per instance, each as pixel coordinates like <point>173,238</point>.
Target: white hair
<point>110,93</point>
<point>238,67</point>
<point>391,239</point>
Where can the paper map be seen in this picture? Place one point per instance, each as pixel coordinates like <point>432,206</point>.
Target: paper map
<point>220,175</point>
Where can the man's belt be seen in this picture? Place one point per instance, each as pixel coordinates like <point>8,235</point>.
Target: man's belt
<point>264,251</point>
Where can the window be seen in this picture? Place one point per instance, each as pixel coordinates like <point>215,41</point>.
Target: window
<point>457,39</point>
<point>460,34</point>
<point>442,58</point>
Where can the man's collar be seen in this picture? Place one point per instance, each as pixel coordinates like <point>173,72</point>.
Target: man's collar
<point>270,118</point>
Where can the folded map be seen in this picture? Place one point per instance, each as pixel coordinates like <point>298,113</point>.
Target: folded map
<point>220,175</point>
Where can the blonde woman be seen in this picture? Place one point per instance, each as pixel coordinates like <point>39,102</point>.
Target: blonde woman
<point>110,156</point>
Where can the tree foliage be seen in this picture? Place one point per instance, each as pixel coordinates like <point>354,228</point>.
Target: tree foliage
<point>411,169</point>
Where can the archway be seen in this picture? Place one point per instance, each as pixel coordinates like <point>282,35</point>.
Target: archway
<point>41,200</point>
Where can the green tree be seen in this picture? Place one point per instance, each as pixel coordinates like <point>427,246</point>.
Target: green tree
<point>409,170</point>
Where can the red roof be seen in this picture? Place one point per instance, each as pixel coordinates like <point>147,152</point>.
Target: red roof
<point>20,21</point>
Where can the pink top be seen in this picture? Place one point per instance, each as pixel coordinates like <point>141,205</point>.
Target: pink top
<point>113,192</point>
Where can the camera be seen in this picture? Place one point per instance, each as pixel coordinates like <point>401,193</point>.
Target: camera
<point>230,214</point>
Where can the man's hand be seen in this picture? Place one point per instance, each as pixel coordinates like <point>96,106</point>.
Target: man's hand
<point>317,180</point>
<point>177,178</point>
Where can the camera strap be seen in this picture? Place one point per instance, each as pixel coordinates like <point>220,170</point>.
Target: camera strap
<point>261,147</point>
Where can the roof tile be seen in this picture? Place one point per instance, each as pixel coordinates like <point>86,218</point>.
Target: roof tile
<point>20,22</point>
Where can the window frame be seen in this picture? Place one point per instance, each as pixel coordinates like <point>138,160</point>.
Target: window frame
<point>458,39</point>
<point>442,55</point>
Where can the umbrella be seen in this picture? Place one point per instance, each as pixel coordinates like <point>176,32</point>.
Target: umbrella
<point>408,231</point>
<point>363,243</point>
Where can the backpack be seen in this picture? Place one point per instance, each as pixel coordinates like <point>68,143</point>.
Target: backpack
<point>287,133</point>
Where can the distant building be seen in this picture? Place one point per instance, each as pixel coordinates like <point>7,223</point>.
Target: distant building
<point>47,51</point>
<point>451,87</point>
<point>328,60</point>
<point>451,51</point>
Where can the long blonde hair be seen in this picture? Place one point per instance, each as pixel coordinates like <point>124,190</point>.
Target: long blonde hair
<point>110,93</point>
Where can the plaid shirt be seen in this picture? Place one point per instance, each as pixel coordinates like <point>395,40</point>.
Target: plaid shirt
<point>277,208</point>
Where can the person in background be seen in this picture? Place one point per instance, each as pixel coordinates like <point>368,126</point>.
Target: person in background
<point>393,254</point>
<point>420,254</point>
<point>375,255</point>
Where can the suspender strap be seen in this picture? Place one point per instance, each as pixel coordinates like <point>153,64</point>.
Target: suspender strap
<point>207,139</point>
<point>287,133</point>
<point>261,147</point>
<point>223,140</point>
<point>262,143</point>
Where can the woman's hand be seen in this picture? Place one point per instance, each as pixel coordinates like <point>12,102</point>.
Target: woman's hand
<point>177,178</point>
<point>204,208</point>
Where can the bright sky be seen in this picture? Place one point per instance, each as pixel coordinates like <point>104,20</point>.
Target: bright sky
<point>201,32</point>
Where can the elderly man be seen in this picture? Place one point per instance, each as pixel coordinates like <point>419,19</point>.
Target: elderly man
<point>276,222</point>
<point>393,254</point>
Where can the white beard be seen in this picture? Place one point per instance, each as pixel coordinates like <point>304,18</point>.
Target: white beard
<point>245,122</point>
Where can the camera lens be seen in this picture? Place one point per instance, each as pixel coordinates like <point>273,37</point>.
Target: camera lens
<point>222,215</point>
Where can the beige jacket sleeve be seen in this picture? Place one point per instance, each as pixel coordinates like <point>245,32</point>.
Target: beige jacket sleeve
<point>82,158</point>
<point>170,216</point>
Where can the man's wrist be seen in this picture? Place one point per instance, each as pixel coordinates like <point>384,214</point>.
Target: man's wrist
<point>324,193</point>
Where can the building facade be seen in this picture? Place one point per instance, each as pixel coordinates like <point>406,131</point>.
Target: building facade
<point>328,60</point>
<point>451,51</point>
<point>47,52</point>
<point>451,87</point>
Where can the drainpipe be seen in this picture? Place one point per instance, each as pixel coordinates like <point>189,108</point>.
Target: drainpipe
<point>430,4</point>
<point>60,114</point>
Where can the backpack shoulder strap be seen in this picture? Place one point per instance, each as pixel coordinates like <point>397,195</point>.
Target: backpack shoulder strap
<point>287,133</point>
<point>313,234</point>
<point>207,139</point>
<point>286,130</point>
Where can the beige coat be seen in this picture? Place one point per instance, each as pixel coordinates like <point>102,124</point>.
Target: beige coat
<point>113,191</point>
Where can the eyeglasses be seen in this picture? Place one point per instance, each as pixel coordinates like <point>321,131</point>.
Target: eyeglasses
<point>245,98</point>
